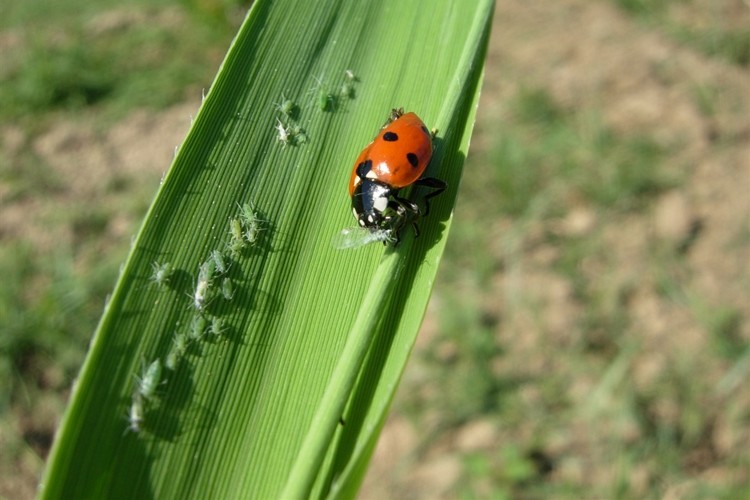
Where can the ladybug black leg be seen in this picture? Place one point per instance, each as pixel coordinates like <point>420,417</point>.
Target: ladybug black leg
<point>431,182</point>
<point>406,212</point>
<point>404,206</point>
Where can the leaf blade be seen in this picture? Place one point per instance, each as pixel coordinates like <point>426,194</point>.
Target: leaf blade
<point>296,296</point>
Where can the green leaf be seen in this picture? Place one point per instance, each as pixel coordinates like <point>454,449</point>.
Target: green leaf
<point>289,399</point>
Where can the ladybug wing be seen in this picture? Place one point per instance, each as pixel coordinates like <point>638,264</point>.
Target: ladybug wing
<point>358,170</point>
<point>401,151</point>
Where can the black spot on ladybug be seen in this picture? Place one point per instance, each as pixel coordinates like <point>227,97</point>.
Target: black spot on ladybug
<point>390,136</point>
<point>363,168</point>
<point>412,159</point>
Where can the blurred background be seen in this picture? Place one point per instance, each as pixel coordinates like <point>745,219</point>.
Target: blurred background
<point>587,336</point>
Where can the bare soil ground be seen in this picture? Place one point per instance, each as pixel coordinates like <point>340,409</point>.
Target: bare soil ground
<point>587,55</point>
<point>594,56</point>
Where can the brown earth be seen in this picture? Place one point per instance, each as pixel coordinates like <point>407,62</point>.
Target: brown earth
<point>587,55</point>
<point>594,56</point>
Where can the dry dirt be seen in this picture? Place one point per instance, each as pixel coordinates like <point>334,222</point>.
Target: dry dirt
<point>591,55</point>
<point>586,55</point>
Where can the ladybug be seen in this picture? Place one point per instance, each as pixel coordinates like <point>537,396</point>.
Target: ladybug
<point>394,160</point>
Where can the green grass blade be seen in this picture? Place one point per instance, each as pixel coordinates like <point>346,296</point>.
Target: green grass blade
<point>313,334</point>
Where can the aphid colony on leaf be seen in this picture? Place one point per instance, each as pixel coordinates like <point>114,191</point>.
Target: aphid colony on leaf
<point>244,230</point>
<point>144,391</point>
<point>236,242</point>
<point>329,97</point>
<point>217,327</point>
<point>282,132</point>
<point>135,413</point>
<point>161,273</point>
<point>215,266</point>
<point>149,380</point>
<point>179,347</point>
<point>227,290</point>
<point>197,327</point>
<point>202,286</point>
<point>347,88</point>
<point>286,107</point>
<point>219,262</point>
<point>288,131</point>
<point>212,282</point>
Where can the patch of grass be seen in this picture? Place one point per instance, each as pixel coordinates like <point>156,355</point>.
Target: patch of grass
<point>26,175</point>
<point>605,321</point>
<point>49,307</point>
<point>547,159</point>
<point>505,474</point>
<point>732,45</point>
<point>543,158</point>
<point>58,76</point>
<point>628,174</point>
<point>537,107</point>
<point>516,176</point>
<point>522,168</point>
<point>672,417</point>
<point>724,325</point>
<point>718,40</point>
<point>644,8</point>
<point>605,318</point>
<point>549,154</point>
<point>104,59</point>
<point>143,56</point>
<point>706,98</point>
<point>722,322</point>
<point>466,348</point>
<point>48,311</point>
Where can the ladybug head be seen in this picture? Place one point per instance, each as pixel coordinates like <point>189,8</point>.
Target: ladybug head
<point>369,203</point>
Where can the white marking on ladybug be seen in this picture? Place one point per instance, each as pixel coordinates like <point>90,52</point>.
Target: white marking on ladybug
<point>381,204</point>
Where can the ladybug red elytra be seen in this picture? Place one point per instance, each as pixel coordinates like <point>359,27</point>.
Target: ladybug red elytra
<point>395,159</point>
